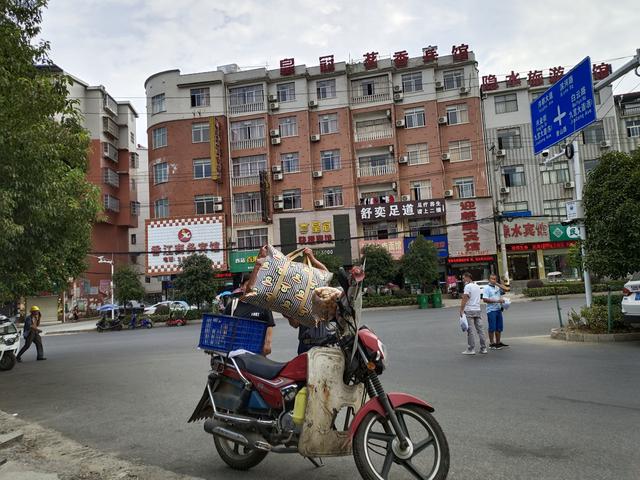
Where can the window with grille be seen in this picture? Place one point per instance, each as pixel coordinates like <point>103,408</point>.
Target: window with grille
<point>464,187</point>
<point>249,202</point>
<point>246,95</point>
<point>247,130</point>
<point>251,239</point>
<point>111,203</point>
<point>332,197</point>
<point>250,166</point>
<point>633,128</point>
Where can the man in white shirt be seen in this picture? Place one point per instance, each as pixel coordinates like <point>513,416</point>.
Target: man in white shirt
<point>470,306</point>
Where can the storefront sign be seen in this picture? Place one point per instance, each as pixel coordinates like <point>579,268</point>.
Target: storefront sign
<point>525,231</point>
<point>394,211</point>
<point>440,242</point>
<point>393,246</point>
<point>242,261</point>
<point>476,259</point>
<point>315,232</point>
<point>558,231</point>
<point>539,246</point>
<point>471,232</point>
<point>171,240</point>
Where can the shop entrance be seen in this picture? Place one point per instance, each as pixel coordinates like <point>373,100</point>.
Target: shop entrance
<point>523,266</point>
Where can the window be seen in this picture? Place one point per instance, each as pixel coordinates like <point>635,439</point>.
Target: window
<point>247,130</point>
<point>204,204</point>
<point>133,185</point>
<point>453,79</point>
<point>326,89</point>
<point>286,92</point>
<point>158,104</point>
<point>414,117</point>
<point>460,151</point>
<point>135,208</point>
<point>246,95</point>
<point>594,133</point>
<point>509,138</point>
<point>380,230</point>
<point>199,132</point>
<point>160,173</point>
<point>506,103</point>
<point>254,238</point>
<point>159,137</point>
<point>290,162</point>
<point>134,159</point>
<point>332,196</point>
<point>457,114</point>
<point>329,123</point>
<point>514,176</point>
<point>111,203</point>
<point>161,208</point>
<point>464,187</point>
<point>249,202</point>
<point>132,137</point>
<point>292,199</point>
<point>426,227</point>
<point>421,190</point>
<point>134,239</point>
<point>597,97</point>
<point>633,128</point>
<point>249,166</point>
<point>412,82</point>
<point>330,160</point>
<point>200,97</point>
<point>417,154</point>
<point>555,208</point>
<point>516,207</point>
<point>288,127</point>
<point>557,172</point>
<point>202,168</point>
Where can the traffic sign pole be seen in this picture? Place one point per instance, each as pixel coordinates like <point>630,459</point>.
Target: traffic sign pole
<point>579,181</point>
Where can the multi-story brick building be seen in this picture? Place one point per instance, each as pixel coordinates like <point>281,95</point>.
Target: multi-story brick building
<point>352,152</point>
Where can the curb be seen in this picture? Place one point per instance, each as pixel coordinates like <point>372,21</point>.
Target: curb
<point>558,334</point>
<point>9,438</point>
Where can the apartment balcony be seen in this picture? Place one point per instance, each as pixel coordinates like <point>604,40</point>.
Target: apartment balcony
<point>368,170</point>
<point>247,108</point>
<point>110,127</point>
<point>630,110</point>
<point>110,177</point>
<point>134,160</point>
<point>247,217</point>
<point>244,181</point>
<point>373,98</point>
<point>110,151</point>
<point>376,132</point>
<point>111,204</point>
<point>109,104</point>
<point>135,208</point>
<point>247,144</point>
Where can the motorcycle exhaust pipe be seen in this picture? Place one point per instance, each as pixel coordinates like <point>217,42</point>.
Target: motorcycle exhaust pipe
<point>254,441</point>
<point>242,421</point>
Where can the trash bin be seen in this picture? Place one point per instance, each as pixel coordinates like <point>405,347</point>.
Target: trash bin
<point>437,299</point>
<point>423,301</point>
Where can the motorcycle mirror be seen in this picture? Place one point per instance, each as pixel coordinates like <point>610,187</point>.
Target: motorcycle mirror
<point>358,274</point>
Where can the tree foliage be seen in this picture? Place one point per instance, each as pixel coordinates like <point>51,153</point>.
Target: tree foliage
<point>333,264</point>
<point>420,263</point>
<point>46,204</point>
<point>380,267</point>
<point>611,199</point>
<point>196,283</point>
<point>127,285</point>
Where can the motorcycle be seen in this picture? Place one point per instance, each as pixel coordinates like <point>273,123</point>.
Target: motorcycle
<point>105,323</point>
<point>144,323</point>
<point>315,406</point>
<point>9,343</point>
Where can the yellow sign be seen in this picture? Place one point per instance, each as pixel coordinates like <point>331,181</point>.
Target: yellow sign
<point>316,227</point>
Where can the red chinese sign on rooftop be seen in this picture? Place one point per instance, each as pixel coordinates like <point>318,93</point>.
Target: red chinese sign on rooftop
<point>287,66</point>
<point>555,74</point>
<point>460,53</point>
<point>489,82</point>
<point>430,54</point>
<point>535,78</point>
<point>327,64</point>
<point>401,59</point>
<point>513,79</point>
<point>370,60</point>
<point>601,71</point>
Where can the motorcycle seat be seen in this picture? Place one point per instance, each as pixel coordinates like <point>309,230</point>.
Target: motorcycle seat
<point>259,366</point>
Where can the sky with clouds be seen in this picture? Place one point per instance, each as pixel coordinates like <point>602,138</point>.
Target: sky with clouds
<point>120,43</point>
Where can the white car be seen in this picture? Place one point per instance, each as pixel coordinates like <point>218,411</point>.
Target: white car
<point>482,284</point>
<point>631,301</point>
<point>172,304</point>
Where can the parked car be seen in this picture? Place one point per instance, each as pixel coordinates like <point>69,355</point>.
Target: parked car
<point>631,301</point>
<point>482,284</point>
<point>174,305</point>
<point>135,306</point>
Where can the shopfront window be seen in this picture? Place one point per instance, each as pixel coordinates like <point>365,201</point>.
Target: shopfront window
<point>523,266</point>
<point>559,262</point>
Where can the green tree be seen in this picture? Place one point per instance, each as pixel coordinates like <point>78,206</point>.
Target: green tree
<point>420,263</point>
<point>196,283</point>
<point>574,259</point>
<point>333,264</point>
<point>47,206</point>
<point>127,285</point>
<point>380,267</point>
<point>612,216</point>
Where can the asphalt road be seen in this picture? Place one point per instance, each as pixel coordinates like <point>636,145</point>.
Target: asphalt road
<point>543,409</point>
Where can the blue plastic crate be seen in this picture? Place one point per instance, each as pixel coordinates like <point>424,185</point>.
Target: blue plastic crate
<point>223,333</point>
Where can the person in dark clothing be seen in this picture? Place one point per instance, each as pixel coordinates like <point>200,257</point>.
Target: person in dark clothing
<point>31,333</point>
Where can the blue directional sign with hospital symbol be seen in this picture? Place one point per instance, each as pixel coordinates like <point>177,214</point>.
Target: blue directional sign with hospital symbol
<point>565,108</point>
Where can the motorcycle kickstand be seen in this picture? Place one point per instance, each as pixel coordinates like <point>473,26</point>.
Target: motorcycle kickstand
<point>316,463</point>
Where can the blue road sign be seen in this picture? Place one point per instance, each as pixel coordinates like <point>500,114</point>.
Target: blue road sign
<point>565,108</point>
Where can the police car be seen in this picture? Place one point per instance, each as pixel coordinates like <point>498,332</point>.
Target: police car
<point>631,301</point>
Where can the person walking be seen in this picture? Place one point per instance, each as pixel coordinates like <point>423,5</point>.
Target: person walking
<point>470,306</point>
<point>492,296</point>
<point>31,333</point>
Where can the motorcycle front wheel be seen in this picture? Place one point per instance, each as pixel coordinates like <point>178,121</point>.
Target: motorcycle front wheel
<point>238,456</point>
<point>378,455</point>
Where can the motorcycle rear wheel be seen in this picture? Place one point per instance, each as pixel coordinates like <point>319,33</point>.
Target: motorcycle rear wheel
<point>8,361</point>
<point>377,459</point>
<point>237,456</point>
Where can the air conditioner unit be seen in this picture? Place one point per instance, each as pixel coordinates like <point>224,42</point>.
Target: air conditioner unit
<point>390,148</point>
<point>442,120</point>
<point>569,185</point>
<point>276,141</point>
<point>403,159</point>
<point>504,190</point>
<point>605,144</point>
<point>446,157</point>
<point>400,123</point>
<point>276,168</point>
<point>274,106</point>
<point>217,208</point>
<point>278,198</point>
<point>397,97</point>
<point>217,199</point>
<point>315,137</point>
<point>438,85</point>
<point>501,152</point>
<point>405,198</point>
<point>318,203</point>
<point>278,205</point>
<point>313,103</point>
<point>397,89</point>
<point>274,133</point>
<point>272,98</point>
<point>448,193</point>
<point>464,90</point>
<point>317,174</point>
<point>278,176</point>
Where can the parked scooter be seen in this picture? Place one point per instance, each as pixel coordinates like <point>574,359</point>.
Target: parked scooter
<point>313,405</point>
<point>106,323</point>
<point>9,343</point>
<point>144,323</point>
